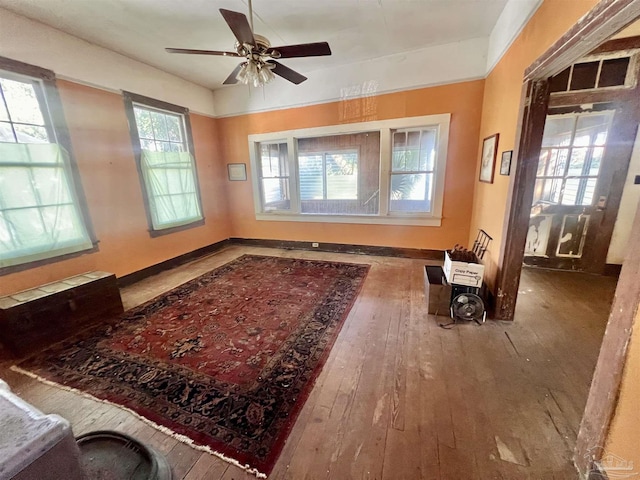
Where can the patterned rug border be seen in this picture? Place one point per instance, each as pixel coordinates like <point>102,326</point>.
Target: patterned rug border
<point>166,430</point>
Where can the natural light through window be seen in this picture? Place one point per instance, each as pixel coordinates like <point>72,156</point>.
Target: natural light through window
<point>39,213</point>
<point>570,158</point>
<point>167,167</point>
<point>274,176</point>
<point>412,169</point>
<point>337,173</point>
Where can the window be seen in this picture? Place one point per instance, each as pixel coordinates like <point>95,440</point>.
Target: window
<point>598,73</point>
<point>328,175</point>
<point>40,214</point>
<point>572,150</point>
<point>161,136</point>
<point>274,176</point>
<point>337,174</point>
<point>412,170</point>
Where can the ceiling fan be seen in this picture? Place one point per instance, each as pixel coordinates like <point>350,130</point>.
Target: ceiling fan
<point>260,64</point>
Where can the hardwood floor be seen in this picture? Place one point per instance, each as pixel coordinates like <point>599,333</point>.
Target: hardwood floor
<point>402,398</point>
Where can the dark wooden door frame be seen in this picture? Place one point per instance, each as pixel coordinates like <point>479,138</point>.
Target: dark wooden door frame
<point>605,19</point>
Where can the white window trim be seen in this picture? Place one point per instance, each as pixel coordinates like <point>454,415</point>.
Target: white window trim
<point>384,217</point>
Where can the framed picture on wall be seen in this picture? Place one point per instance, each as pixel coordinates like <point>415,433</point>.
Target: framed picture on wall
<point>488,160</point>
<point>505,162</point>
<point>237,172</point>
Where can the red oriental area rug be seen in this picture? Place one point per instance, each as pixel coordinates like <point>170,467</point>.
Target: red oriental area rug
<point>226,360</point>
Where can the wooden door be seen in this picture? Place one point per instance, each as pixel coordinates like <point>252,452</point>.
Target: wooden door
<point>575,182</point>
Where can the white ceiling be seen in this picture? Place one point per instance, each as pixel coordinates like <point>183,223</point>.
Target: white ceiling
<point>357,30</point>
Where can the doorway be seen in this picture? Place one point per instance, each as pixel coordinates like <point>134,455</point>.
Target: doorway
<point>578,186</point>
<point>607,18</point>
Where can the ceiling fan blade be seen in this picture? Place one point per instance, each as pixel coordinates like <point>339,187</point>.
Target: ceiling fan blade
<point>317,49</point>
<point>287,73</point>
<point>239,25</point>
<point>201,52</point>
<point>231,79</point>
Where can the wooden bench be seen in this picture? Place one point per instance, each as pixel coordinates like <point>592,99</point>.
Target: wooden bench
<point>35,318</point>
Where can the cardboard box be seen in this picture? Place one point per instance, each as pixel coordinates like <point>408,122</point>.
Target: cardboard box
<point>437,291</point>
<point>462,273</point>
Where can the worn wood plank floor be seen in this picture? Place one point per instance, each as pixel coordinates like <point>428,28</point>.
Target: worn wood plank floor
<point>401,398</point>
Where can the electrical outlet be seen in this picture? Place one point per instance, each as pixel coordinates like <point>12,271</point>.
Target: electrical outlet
<point>315,244</point>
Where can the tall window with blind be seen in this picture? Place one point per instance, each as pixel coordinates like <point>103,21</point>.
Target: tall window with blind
<point>40,213</point>
<point>162,140</point>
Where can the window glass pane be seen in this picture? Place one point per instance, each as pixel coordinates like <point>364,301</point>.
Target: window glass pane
<point>542,162</point>
<point>584,75</point>
<point>174,128</point>
<point>26,228</point>
<point>31,229</point>
<point>274,160</point>
<point>548,190</point>
<point>275,194</point>
<point>17,188</point>
<point>570,193</point>
<point>558,131</point>
<point>596,160</point>
<point>428,150</point>
<point>159,125</point>
<point>31,134</point>
<point>576,165</point>
<point>613,72</point>
<point>589,191</point>
<point>170,182</point>
<point>6,132</point>
<point>22,102</point>
<point>143,122</point>
<point>311,172</point>
<point>553,189</point>
<point>414,151</point>
<point>560,81</point>
<point>165,146</point>
<point>537,191</point>
<point>61,222</point>
<point>149,145</point>
<point>411,192</point>
<point>51,185</point>
<point>592,129</point>
<point>342,176</point>
<point>557,162</point>
<point>4,116</point>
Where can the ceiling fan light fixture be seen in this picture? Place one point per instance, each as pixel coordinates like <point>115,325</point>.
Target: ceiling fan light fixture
<point>242,76</point>
<point>265,74</point>
<point>261,65</point>
<point>255,72</point>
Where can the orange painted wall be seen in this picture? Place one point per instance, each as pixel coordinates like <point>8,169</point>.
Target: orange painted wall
<point>462,100</point>
<point>500,112</point>
<point>102,147</point>
<point>623,439</point>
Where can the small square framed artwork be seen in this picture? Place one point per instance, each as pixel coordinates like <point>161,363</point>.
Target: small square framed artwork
<point>505,162</point>
<point>237,172</point>
<point>488,160</point>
